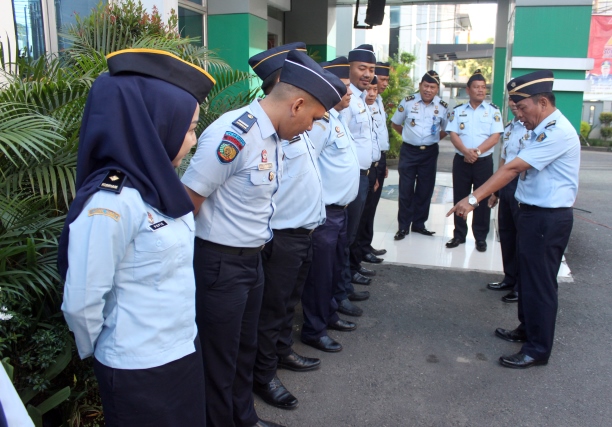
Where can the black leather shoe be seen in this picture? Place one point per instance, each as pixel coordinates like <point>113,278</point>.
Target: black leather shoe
<point>366,272</point>
<point>342,325</point>
<point>276,394</point>
<point>348,308</point>
<point>500,286</point>
<point>360,279</point>
<point>262,423</point>
<point>512,336</point>
<point>481,245</point>
<point>423,231</point>
<point>324,343</point>
<point>297,363</point>
<point>372,259</point>
<point>454,242</point>
<point>512,296</point>
<point>378,252</point>
<point>359,296</point>
<point>401,234</point>
<point>520,361</point>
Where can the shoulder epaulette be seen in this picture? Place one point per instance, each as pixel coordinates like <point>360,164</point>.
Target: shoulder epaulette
<point>245,122</point>
<point>494,106</point>
<point>508,124</point>
<point>410,98</point>
<point>295,139</point>
<point>554,122</point>
<point>113,181</point>
<point>444,104</point>
<point>458,105</point>
<point>326,116</point>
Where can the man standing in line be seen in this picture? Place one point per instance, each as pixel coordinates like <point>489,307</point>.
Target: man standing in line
<point>421,120</point>
<point>515,138</point>
<point>474,129</point>
<point>339,167</point>
<point>231,180</point>
<point>548,170</point>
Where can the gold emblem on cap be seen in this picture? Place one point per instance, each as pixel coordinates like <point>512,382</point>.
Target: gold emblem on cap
<point>513,84</point>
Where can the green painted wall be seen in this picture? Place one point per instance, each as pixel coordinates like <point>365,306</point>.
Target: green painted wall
<point>324,52</point>
<point>499,74</point>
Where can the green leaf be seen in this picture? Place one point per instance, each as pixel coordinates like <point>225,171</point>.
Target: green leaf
<point>8,368</point>
<point>54,400</point>
<point>36,416</point>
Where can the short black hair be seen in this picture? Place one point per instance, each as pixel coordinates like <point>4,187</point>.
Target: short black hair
<point>270,81</point>
<point>548,95</point>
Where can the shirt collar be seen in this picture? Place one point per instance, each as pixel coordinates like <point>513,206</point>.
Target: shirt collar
<point>263,121</point>
<point>540,128</point>
<point>482,104</point>
<point>356,91</point>
<point>334,112</point>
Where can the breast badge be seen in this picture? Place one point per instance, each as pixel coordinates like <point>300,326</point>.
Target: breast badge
<point>413,123</point>
<point>271,176</point>
<point>462,126</point>
<point>150,217</point>
<point>264,156</point>
<point>230,146</point>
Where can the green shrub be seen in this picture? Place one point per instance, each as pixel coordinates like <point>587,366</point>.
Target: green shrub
<point>605,119</point>
<point>606,132</point>
<point>585,129</point>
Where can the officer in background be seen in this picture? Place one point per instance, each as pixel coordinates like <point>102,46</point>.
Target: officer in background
<point>515,138</point>
<point>421,120</point>
<point>548,170</point>
<point>474,128</point>
<point>231,180</point>
<point>287,257</point>
<point>362,66</point>
<point>339,167</point>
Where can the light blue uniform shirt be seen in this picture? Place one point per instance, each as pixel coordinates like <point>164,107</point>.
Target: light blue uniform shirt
<point>554,157</point>
<point>516,136</point>
<point>238,205</point>
<point>380,119</point>
<point>421,123</point>
<point>299,199</point>
<point>337,159</point>
<point>474,126</point>
<point>359,120</point>
<point>129,295</point>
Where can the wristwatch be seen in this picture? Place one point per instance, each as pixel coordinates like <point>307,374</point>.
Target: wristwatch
<point>478,151</point>
<point>472,200</point>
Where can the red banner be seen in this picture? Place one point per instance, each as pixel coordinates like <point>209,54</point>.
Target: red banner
<point>600,49</point>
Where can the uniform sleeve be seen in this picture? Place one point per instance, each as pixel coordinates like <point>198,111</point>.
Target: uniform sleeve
<point>400,114</point>
<point>217,157</point>
<point>319,135</point>
<point>541,154</point>
<point>98,241</point>
<point>498,125</point>
<point>452,125</point>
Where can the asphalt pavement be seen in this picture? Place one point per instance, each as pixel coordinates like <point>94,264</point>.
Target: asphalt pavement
<point>425,354</point>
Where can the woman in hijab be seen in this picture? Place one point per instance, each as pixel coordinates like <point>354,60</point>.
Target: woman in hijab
<point>127,247</point>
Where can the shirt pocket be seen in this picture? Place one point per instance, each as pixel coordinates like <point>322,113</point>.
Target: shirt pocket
<point>342,143</point>
<point>297,163</point>
<point>485,124</point>
<point>157,253</point>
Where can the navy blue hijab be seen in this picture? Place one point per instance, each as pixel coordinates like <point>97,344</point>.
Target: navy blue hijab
<point>135,124</point>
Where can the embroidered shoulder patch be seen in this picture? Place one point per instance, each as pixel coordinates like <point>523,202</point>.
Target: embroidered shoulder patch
<point>451,116</point>
<point>230,146</point>
<point>245,122</point>
<point>497,117</point>
<point>326,116</point>
<point>400,109</point>
<point>541,137</point>
<point>106,212</point>
<point>444,104</point>
<point>113,181</point>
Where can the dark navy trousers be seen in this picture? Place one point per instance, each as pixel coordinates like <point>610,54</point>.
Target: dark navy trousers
<point>543,235</point>
<point>417,180</point>
<point>356,251</point>
<point>286,262</point>
<point>329,244</point>
<point>507,217</point>
<point>366,230</point>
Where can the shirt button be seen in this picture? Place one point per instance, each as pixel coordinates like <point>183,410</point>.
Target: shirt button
<point>158,243</point>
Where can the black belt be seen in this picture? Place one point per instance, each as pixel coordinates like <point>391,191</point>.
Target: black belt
<point>365,172</point>
<point>300,230</point>
<point>525,207</point>
<point>337,207</point>
<point>374,164</point>
<point>230,250</point>
<point>480,159</point>
<point>420,147</point>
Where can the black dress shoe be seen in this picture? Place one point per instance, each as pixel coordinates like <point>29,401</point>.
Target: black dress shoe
<point>378,252</point>
<point>276,394</point>
<point>500,286</point>
<point>401,234</point>
<point>520,361</point>
<point>454,242</point>
<point>262,423</point>
<point>359,296</point>
<point>360,279</point>
<point>366,272</point>
<point>512,336</point>
<point>297,363</point>
<point>372,259</point>
<point>324,343</point>
<point>348,308</point>
<point>512,296</point>
<point>423,231</point>
<point>481,245</point>
<point>342,325</point>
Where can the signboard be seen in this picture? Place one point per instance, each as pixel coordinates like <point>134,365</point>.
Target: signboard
<point>600,49</point>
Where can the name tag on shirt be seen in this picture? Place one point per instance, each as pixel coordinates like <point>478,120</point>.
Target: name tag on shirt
<point>265,166</point>
<point>158,225</point>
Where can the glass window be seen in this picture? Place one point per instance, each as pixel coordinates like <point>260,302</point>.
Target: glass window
<point>191,24</point>
<point>66,11</point>
<point>29,28</point>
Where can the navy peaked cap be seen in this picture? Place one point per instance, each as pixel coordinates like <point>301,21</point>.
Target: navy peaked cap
<point>477,76</point>
<point>431,77</point>
<point>530,84</point>
<point>303,72</point>
<point>338,67</point>
<point>383,68</point>
<point>362,53</point>
<point>267,62</point>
